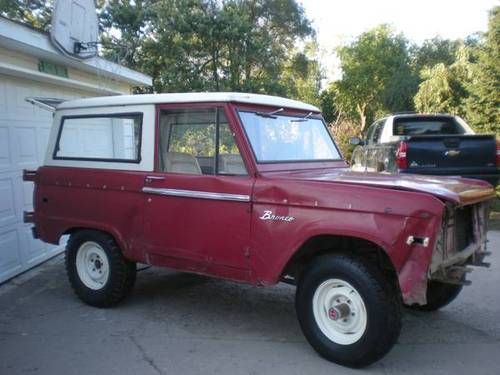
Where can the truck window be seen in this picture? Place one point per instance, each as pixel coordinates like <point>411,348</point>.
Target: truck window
<point>198,141</point>
<point>374,132</point>
<point>431,125</point>
<point>114,138</point>
<point>276,139</point>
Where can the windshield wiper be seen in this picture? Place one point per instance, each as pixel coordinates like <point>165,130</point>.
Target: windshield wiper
<point>269,114</point>
<point>303,118</point>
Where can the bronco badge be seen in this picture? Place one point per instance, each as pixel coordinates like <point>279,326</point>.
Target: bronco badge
<point>268,215</point>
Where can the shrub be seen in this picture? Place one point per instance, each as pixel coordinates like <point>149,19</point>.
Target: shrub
<point>341,132</point>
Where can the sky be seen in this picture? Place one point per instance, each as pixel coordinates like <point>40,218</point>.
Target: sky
<point>340,21</point>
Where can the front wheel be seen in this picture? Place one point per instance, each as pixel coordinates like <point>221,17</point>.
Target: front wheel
<point>348,310</point>
<point>97,270</point>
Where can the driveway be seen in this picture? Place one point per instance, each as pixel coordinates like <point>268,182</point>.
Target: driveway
<point>183,324</point>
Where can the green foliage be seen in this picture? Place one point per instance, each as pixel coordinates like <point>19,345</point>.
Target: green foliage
<point>36,13</point>
<point>483,103</point>
<point>434,51</point>
<point>328,104</point>
<point>376,75</point>
<point>124,26</point>
<point>342,132</point>
<point>302,75</point>
<point>444,88</point>
<point>209,45</point>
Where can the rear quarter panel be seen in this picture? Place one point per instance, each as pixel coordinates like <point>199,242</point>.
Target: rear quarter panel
<point>111,201</point>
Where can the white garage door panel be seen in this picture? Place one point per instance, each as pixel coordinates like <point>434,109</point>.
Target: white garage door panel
<point>10,259</point>
<point>7,202</point>
<point>4,148</point>
<point>24,132</point>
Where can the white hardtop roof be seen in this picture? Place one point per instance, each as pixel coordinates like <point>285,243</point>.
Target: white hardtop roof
<point>122,100</point>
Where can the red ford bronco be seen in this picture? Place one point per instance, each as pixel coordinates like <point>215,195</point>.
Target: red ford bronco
<point>252,188</point>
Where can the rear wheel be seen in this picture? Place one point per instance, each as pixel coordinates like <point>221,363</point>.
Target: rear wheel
<point>97,270</point>
<point>348,310</point>
<point>438,296</point>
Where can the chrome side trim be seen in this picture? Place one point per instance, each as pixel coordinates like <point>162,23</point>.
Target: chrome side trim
<point>197,194</point>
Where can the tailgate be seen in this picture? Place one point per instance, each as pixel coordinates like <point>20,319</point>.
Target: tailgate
<point>463,153</point>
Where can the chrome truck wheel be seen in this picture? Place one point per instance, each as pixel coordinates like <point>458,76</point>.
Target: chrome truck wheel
<point>348,310</point>
<point>97,270</point>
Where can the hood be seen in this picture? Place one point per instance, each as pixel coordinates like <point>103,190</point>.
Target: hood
<point>461,191</point>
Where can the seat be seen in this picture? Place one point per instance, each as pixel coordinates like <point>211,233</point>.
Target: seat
<point>231,164</point>
<point>180,162</point>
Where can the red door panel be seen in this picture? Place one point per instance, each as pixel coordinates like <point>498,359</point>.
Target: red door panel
<point>202,221</point>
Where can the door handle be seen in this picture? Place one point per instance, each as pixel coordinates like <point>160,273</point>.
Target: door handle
<point>154,178</point>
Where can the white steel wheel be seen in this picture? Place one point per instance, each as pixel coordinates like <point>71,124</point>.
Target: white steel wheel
<point>339,311</point>
<point>92,265</point>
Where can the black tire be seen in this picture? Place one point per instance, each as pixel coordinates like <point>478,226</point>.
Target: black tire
<point>121,275</point>
<point>438,296</point>
<point>381,299</point>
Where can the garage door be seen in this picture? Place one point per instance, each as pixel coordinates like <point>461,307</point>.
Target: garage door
<point>24,131</point>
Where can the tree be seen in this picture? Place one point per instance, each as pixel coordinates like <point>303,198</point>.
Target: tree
<point>483,104</point>
<point>209,45</point>
<point>36,13</point>
<point>302,74</point>
<point>434,51</point>
<point>376,75</point>
<point>124,25</point>
<point>444,88</point>
<point>328,103</point>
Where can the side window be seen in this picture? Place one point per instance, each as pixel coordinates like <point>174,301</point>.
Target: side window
<point>378,131</point>
<point>369,134</point>
<point>198,141</point>
<point>101,138</point>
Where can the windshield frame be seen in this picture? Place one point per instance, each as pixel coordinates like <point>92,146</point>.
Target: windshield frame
<point>294,114</point>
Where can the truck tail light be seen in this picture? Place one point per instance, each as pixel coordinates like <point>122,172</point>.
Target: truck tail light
<point>401,159</point>
<point>498,153</point>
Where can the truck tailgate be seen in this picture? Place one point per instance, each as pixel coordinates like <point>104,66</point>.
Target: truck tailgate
<point>463,153</point>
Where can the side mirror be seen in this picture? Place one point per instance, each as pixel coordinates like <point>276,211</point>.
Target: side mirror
<point>356,141</point>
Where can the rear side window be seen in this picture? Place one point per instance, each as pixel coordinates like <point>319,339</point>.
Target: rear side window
<point>427,126</point>
<point>114,138</point>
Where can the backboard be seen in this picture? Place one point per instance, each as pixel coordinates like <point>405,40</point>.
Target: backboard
<point>74,27</point>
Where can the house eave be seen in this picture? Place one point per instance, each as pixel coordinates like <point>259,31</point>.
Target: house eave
<point>16,71</point>
<point>18,37</point>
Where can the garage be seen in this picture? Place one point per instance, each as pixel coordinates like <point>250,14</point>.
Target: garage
<point>31,70</point>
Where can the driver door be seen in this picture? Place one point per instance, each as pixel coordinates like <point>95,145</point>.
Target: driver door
<point>197,215</point>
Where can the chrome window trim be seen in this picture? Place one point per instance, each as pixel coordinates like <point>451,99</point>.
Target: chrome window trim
<point>197,194</point>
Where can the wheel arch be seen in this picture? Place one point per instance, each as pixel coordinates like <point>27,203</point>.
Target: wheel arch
<point>322,244</point>
<point>122,244</point>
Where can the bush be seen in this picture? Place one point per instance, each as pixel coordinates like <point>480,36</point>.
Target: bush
<point>341,132</point>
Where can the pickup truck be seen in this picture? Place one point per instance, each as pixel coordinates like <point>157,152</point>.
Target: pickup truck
<point>253,189</point>
<point>440,144</point>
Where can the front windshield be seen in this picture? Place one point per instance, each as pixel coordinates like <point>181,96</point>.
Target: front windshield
<point>288,138</point>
